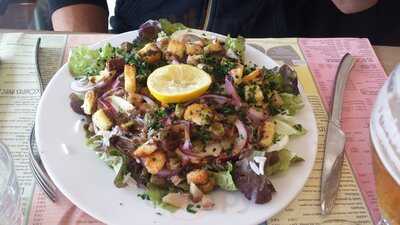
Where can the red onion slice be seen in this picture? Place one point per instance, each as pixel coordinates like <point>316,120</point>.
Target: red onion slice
<point>231,91</point>
<point>117,82</point>
<point>188,157</point>
<point>175,61</point>
<point>82,85</point>
<point>191,38</point>
<point>217,98</point>
<point>167,121</point>
<point>168,173</point>
<point>139,120</point>
<point>147,100</point>
<point>187,145</point>
<point>108,108</point>
<point>255,116</point>
<point>118,91</point>
<point>241,140</point>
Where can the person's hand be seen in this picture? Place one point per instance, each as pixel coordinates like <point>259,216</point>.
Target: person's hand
<point>80,18</point>
<point>354,6</point>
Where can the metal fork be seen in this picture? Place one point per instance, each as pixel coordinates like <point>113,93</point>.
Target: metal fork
<point>35,162</point>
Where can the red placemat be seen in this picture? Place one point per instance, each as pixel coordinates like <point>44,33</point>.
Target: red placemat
<point>366,78</point>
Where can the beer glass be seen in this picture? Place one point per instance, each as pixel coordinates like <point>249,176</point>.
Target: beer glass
<point>385,136</point>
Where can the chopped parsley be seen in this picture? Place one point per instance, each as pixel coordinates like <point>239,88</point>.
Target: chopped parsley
<point>249,68</point>
<point>203,134</point>
<point>241,91</point>
<point>296,159</point>
<point>160,113</point>
<point>216,88</point>
<point>228,110</point>
<point>251,93</point>
<point>220,66</point>
<point>298,127</point>
<point>152,120</point>
<point>205,116</point>
<point>225,66</point>
<point>190,209</point>
<point>144,196</point>
<point>143,68</point>
<point>276,138</point>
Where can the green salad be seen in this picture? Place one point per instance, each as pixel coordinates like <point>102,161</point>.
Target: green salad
<point>232,137</point>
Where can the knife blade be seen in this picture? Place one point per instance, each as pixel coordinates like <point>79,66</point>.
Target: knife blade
<point>335,139</point>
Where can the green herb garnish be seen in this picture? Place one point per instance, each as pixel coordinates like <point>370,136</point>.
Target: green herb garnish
<point>144,196</point>
<point>228,110</point>
<point>190,209</point>
<point>298,127</point>
<point>152,120</point>
<point>203,134</point>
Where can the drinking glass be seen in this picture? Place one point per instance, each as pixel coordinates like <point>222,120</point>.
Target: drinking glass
<point>10,201</point>
<point>385,136</point>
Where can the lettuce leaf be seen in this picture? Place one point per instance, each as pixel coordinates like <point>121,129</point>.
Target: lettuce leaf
<point>280,161</point>
<point>149,31</point>
<point>289,82</point>
<point>83,61</point>
<point>291,103</point>
<point>280,142</point>
<point>169,28</point>
<point>291,120</point>
<point>156,194</point>
<point>237,45</point>
<point>257,188</point>
<point>224,179</point>
<point>287,128</point>
<point>119,163</point>
<point>107,52</point>
<point>284,80</point>
<point>94,142</point>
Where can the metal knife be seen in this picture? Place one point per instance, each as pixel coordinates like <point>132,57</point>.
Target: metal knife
<point>335,139</point>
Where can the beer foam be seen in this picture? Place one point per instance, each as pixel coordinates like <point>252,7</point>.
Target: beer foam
<point>385,125</point>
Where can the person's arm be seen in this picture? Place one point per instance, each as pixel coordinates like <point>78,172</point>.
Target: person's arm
<point>354,6</point>
<point>79,16</point>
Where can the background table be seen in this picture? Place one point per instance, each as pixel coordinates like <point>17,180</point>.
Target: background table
<point>389,56</point>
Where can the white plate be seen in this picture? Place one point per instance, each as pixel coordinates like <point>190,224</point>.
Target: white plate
<point>88,182</point>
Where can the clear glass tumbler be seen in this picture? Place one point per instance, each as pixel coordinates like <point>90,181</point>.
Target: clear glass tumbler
<point>10,201</point>
<point>385,136</point>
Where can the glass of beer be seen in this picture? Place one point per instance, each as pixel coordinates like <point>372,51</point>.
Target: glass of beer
<point>385,136</point>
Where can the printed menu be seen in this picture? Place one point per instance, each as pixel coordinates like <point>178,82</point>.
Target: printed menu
<point>19,95</point>
<point>365,80</point>
<point>18,72</point>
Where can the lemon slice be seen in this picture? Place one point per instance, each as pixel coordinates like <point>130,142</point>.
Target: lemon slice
<point>178,83</point>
